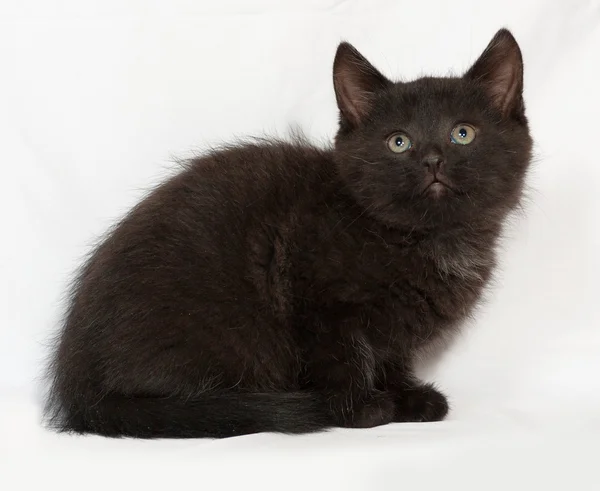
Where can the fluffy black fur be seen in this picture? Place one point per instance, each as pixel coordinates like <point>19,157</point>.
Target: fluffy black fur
<point>281,287</point>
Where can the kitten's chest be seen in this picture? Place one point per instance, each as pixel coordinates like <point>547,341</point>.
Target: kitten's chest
<point>444,279</point>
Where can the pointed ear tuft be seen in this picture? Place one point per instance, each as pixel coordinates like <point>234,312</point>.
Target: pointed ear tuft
<point>500,71</point>
<point>355,81</point>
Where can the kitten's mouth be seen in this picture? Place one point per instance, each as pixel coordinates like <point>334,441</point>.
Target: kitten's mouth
<point>437,186</point>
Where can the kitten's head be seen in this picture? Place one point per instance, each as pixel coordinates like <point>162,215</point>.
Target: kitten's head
<point>434,151</point>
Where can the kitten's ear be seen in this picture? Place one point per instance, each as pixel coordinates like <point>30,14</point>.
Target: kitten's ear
<point>500,70</point>
<point>355,81</point>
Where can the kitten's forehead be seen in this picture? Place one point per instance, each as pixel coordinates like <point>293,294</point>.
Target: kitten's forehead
<point>429,100</point>
<point>432,86</point>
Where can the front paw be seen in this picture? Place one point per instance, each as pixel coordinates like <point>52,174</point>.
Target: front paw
<point>420,403</point>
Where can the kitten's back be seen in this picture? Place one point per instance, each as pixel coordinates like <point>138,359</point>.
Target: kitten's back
<point>168,305</point>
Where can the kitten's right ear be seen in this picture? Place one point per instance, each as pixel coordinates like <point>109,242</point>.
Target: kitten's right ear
<point>500,71</point>
<point>355,81</point>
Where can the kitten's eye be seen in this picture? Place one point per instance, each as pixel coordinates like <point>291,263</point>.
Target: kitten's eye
<point>463,134</point>
<point>399,143</point>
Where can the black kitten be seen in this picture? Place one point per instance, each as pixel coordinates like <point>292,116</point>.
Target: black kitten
<point>281,287</point>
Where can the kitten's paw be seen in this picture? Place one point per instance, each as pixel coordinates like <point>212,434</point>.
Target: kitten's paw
<point>420,403</point>
<point>374,411</point>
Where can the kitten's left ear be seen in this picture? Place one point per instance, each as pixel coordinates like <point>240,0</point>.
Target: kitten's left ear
<point>355,81</point>
<point>500,70</point>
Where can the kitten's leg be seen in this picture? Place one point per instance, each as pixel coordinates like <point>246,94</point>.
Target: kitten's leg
<point>414,400</point>
<point>344,369</point>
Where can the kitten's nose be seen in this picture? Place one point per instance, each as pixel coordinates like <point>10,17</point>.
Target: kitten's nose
<point>434,162</point>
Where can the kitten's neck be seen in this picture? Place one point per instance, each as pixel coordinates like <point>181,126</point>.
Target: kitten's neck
<point>468,253</point>
<point>463,250</point>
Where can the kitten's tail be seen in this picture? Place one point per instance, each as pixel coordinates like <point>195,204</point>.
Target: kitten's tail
<point>216,415</point>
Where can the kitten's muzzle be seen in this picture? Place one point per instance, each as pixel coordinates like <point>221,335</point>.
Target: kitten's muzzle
<point>435,181</point>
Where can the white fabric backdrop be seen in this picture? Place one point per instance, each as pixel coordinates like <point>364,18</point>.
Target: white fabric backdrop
<point>97,97</point>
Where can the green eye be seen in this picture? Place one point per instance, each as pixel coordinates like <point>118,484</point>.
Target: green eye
<point>463,134</point>
<point>399,143</point>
